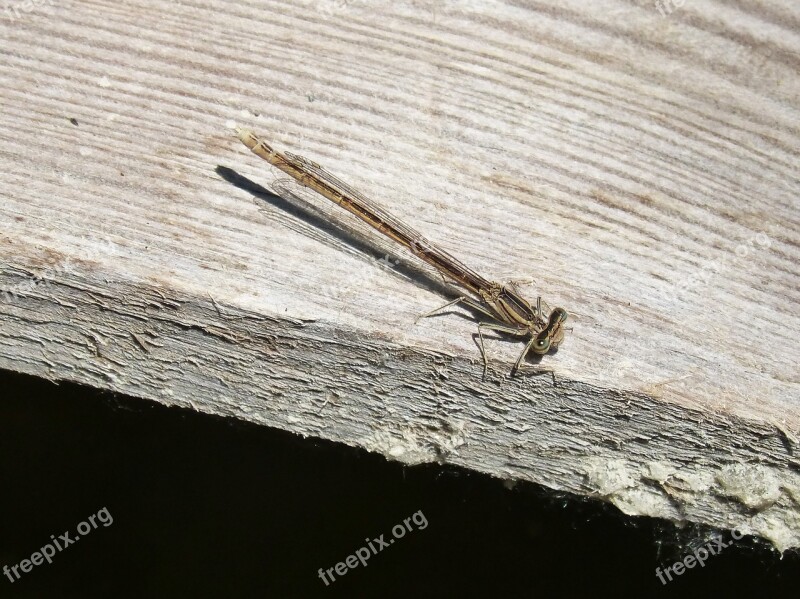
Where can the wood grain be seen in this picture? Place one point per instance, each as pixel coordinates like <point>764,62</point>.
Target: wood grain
<point>640,164</point>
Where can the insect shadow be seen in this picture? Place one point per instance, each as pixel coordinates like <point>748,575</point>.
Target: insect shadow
<point>339,231</point>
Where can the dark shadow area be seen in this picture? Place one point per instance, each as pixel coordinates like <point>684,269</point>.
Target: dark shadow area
<point>210,507</point>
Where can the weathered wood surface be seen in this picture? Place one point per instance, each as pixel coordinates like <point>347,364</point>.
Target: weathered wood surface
<point>641,164</point>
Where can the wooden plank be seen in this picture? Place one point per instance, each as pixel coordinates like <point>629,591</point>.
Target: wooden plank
<point>640,163</point>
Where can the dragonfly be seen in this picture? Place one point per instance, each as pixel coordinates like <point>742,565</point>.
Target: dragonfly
<point>508,311</point>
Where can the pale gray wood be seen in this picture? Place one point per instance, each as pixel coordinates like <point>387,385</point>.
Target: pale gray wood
<point>641,167</point>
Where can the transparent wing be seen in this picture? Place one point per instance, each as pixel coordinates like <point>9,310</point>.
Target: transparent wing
<point>388,224</point>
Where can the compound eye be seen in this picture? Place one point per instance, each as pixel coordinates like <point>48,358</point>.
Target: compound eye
<point>541,345</point>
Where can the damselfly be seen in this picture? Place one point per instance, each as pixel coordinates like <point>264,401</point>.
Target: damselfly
<point>511,313</point>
